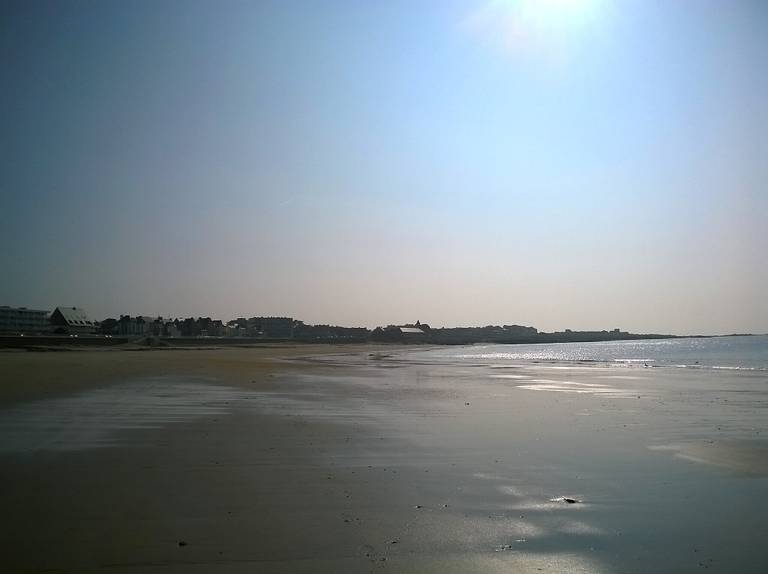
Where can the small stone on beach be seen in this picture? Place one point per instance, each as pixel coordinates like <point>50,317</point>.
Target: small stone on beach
<point>565,499</point>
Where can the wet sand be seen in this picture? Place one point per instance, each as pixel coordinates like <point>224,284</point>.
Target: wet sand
<point>367,460</point>
<point>30,375</point>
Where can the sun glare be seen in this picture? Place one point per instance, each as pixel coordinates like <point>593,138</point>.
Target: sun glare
<point>536,24</point>
<point>557,12</point>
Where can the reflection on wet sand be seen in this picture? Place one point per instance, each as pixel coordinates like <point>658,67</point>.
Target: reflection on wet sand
<point>430,467</point>
<point>576,387</point>
<point>747,457</point>
<point>95,418</point>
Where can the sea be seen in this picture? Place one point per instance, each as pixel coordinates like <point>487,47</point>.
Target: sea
<point>748,353</point>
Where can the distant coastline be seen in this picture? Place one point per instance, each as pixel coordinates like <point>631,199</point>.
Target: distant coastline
<point>66,327</point>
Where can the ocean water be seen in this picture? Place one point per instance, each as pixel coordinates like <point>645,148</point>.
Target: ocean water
<point>728,353</point>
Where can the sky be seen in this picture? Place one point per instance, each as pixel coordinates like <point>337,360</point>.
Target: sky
<point>583,164</point>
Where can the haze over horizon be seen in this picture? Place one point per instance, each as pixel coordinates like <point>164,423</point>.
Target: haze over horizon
<point>584,164</point>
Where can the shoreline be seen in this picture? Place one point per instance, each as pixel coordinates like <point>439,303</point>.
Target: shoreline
<point>43,342</point>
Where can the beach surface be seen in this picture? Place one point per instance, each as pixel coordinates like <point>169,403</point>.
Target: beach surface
<point>290,459</point>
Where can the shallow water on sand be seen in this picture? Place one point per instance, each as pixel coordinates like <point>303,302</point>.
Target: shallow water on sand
<point>668,465</point>
<point>411,462</point>
<point>100,417</point>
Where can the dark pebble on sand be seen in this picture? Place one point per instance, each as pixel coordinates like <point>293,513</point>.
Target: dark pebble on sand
<point>565,499</point>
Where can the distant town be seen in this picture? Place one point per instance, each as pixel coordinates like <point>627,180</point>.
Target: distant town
<point>74,325</point>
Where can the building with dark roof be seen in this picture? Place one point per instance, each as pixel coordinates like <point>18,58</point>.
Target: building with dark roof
<point>72,320</point>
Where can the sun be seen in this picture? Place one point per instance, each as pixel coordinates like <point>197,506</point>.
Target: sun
<point>549,13</point>
<point>536,24</point>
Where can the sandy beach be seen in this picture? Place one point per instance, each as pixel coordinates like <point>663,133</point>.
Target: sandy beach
<point>364,459</point>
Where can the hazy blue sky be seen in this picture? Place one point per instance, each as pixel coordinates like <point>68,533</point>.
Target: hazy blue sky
<point>566,163</point>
